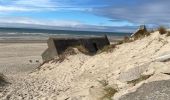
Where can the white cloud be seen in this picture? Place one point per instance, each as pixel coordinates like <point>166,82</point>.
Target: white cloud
<point>38,5</point>
<point>23,20</point>
<point>27,5</point>
<point>58,24</point>
<point>148,12</point>
<point>35,3</point>
<point>14,8</point>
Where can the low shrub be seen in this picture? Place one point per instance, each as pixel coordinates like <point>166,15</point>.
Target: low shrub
<point>162,30</point>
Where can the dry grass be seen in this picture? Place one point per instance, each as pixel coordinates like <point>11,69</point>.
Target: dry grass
<point>108,48</point>
<point>162,30</point>
<point>126,39</point>
<point>69,51</point>
<point>141,34</point>
<point>168,33</point>
<point>110,92</point>
<point>82,49</point>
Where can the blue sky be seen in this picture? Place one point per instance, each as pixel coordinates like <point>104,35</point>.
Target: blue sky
<point>106,15</point>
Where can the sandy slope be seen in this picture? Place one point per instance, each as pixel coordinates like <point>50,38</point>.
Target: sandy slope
<point>82,77</point>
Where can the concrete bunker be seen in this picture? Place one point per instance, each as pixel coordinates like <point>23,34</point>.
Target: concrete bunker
<point>56,46</point>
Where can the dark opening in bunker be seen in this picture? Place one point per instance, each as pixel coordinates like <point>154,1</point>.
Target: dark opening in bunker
<point>95,47</point>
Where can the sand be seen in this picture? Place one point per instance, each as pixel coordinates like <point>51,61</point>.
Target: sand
<point>17,57</point>
<point>105,76</point>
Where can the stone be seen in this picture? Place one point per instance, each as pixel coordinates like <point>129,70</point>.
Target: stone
<point>133,73</point>
<point>163,58</point>
<point>158,90</point>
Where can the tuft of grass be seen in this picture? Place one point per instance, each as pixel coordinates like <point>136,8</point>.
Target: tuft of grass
<point>126,39</point>
<point>108,48</point>
<point>162,30</point>
<point>82,49</point>
<point>119,42</point>
<point>70,51</point>
<point>141,33</point>
<point>61,58</point>
<point>168,33</point>
<point>110,92</point>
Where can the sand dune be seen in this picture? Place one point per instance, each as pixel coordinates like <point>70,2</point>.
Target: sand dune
<point>104,76</point>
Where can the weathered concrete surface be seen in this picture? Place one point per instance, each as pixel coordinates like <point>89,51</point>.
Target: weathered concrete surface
<point>159,90</point>
<point>57,46</point>
<point>133,73</point>
<point>163,58</point>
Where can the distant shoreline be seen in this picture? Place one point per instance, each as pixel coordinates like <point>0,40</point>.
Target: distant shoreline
<point>40,39</point>
<point>23,41</point>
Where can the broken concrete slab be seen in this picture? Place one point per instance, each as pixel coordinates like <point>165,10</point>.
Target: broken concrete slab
<point>133,73</point>
<point>163,58</point>
<point>159,90</point>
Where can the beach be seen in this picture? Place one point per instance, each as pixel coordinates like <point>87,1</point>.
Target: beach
<point>115,75</point>
<point>18,57</point>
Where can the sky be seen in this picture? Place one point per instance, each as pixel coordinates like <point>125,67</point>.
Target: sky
<point>102,15</point>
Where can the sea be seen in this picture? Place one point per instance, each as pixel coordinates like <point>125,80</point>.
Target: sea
<point>43,34</point>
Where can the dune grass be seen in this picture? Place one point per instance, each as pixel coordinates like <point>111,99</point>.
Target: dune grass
<point>162,30</point>
<point>109,91</point>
